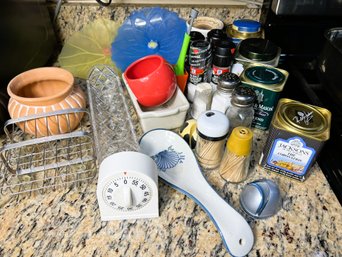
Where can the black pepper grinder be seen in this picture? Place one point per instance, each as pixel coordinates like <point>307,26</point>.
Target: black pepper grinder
<point>222,61</point>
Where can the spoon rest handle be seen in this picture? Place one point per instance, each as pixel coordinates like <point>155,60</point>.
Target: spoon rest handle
<point>235,232</point>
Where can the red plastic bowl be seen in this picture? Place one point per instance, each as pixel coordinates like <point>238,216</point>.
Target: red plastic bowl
<point>152,80</point>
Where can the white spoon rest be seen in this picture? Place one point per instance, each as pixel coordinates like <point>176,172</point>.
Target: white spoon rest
<point>178,166</point>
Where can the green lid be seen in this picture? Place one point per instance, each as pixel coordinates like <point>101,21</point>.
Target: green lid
<point>265,75</point>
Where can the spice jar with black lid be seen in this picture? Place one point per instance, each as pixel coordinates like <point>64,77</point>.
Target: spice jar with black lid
<point>222,60</point>
<point>215,36</point>
<point>194,36</point>
<point>200,57</point>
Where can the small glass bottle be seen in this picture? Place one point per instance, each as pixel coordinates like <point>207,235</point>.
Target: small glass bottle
<point>234,166</point>
<point>241,112</point>
<point>212,129</point>
<point>227,82</point>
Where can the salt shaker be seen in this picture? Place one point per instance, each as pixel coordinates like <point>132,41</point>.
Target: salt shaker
<point>212,129</point>
<point>227,82</point>
<point>241,112</point>
<point>234,166</point>
<point>202,99</point>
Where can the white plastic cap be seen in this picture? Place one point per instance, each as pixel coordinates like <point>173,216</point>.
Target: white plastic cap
<point>213,124</point>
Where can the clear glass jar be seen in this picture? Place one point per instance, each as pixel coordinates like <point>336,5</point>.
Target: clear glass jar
<point>212,129</point>
<point>227,82</point>
<point>241,112</point>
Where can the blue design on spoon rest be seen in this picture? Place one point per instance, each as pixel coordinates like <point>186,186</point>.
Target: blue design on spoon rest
<point>168,158</point>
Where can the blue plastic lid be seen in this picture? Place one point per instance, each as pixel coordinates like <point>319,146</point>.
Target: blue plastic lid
<point>149,31</point>
<point>244,25</point>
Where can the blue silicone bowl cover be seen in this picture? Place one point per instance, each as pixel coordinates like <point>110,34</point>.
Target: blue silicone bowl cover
<point>149,31</point>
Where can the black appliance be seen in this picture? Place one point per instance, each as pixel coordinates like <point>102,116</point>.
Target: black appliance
<point>27,40</point>
<point>301,29</point>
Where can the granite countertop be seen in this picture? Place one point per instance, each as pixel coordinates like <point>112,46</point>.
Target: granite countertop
<point>67,222</point>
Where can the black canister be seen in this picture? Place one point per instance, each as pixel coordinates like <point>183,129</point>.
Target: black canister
<point>258,49</point>
<point>215,36</point>
<point>222,60</point>
<point>194,36</point>
<point>199,61</point>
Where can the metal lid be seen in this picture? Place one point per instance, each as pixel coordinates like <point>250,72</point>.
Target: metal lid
<point>258,49</point>
<point>213,125</point>
<point>237,36</point>
<point>228,81</point>
<point>245,25</point>
<point>264,75</point>
<point>303,119</point>
<point>243,96</point>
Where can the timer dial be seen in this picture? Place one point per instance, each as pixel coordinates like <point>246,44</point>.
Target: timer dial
<point>127,187</point>
<point>127,193</point>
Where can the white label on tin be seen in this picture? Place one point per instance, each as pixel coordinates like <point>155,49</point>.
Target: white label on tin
<point>291,155</point>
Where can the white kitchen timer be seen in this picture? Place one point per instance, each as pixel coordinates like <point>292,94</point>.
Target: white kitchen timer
<point>128,187</point>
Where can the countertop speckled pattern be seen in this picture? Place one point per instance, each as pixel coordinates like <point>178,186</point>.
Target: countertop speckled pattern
<point>73,17</point>
<point>67,222</point>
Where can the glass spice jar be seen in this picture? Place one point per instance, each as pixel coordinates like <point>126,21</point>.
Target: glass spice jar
<point>212,129</point>
<point>227,82</point>
<point>241,111</point>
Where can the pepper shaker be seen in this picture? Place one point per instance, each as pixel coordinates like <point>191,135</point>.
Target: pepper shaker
<point>241,111</point>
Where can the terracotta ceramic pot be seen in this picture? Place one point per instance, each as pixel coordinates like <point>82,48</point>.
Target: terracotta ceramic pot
<point>45,90</point>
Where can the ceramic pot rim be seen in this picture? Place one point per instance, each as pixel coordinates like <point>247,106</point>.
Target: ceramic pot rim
<point>40,74</point>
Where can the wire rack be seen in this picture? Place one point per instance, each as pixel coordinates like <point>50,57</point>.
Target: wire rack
<point>38,164</point>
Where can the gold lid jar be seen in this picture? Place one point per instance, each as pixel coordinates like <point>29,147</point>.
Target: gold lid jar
<point>303,119</point>
<point>297,134</point>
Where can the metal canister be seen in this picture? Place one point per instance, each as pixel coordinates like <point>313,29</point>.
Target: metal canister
<point>243,29</point>
<point>267,83</point>
<point>199,61</point>
<point>297,134</point>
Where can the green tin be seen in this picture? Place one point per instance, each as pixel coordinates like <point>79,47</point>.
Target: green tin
<point>267,83</point>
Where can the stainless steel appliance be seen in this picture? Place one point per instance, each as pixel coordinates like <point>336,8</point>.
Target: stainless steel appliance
<point>313,7</point>
<point>301,29</point>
